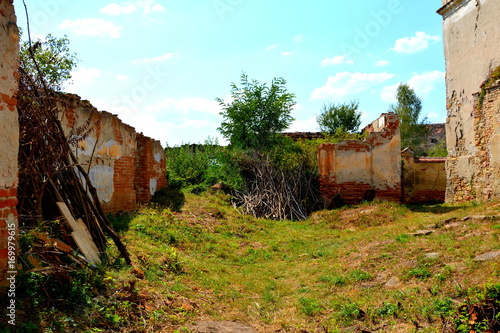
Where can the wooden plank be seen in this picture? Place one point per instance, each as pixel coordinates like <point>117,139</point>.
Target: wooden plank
<point>52,241</point>
<point>81,235</point>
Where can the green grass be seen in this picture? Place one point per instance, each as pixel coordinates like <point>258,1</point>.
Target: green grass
<point>320,275</point>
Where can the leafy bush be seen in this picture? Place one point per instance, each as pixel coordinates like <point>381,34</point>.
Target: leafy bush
<point>198,166</point>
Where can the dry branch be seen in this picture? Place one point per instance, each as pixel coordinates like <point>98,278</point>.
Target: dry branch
<point>49,172</point>
<point>276,192</point>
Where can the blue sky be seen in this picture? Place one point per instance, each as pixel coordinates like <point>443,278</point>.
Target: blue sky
<point>160,64</point>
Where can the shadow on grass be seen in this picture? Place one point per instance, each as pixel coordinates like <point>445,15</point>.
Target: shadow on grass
<point>120,222</point>
<point>437,209</point>
<point>169,197</point>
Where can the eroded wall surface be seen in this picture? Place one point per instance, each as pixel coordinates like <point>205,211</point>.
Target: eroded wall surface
<point>486,185</point>
<point>112,155</point>
<point>149,168</point>
<point>472,51</point>
<point>424,179</point>
<point>352,171</point>
<point>9,136</point>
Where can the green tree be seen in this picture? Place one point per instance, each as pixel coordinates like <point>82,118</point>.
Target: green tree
<point>344,117</point>
<point>257,114</point>
<point>48,61</point>
<point>408,107</point>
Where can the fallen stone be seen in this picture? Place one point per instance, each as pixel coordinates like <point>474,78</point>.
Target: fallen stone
<point>222,327</point>
<point>432,255</point>
<point>480,218</point>
<point>393,282</point>
<point>422,232</point>
<point>487,256</point>
<point>454,225</point>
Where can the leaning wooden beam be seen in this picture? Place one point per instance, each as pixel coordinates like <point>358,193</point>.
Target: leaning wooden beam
<point>80,234</point>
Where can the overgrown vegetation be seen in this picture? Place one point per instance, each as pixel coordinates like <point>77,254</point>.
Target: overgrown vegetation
<point>413,130</point>
<point>492,79</point>
<point>342,117</point>
<point>346,270</point>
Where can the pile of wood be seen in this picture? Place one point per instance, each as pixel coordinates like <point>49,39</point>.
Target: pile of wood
<point>277,192</point>
<point>52,184</point>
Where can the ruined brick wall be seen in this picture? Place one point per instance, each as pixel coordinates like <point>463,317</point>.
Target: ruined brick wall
<point>470,34</point>
<point>111,152</point>
<point>150,171</point>
<point>486,184</point>
<point>424,179</point>
<point>352,171</point>
<point>9,136</point>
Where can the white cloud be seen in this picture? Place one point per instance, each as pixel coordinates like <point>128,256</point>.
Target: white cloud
<point>337,60</point>
<point>304,125</point>
<point>121,77</point>
<point>347,83</point>
<point>418,43</point>
<point>297,108</point>
<point>272,47</point>
<point>426,82</point>
<point>80,77</point>
<point>92,27</point>
<point>298,38</point>
<point>85,75</point>
<point>199,117</point>
<point>422,84</point>
<point>147,6</point>
<point>388,93</point>
<point>287,54</point>
<point>382,63</point>
<point>187,105</point>
<point>156,59</point>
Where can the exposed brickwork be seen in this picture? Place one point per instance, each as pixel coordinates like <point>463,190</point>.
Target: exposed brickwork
<point>124,196</point>
<point>472,51</point>
<point>352,171</point>
<point>424,179</point>
<point>150,171</point>
<point>9,137</point>
<point>486,184</point>
<point>126,167</point>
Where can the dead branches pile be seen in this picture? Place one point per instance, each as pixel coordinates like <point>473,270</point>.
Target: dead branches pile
<point>50,177</point>
<point>278,192</point>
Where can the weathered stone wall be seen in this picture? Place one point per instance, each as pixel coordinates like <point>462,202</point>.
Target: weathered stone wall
<point>125,167</point>
<point>472,51</point>
<point>486,185</point>
<point>9,137</point>
<point>352,171</point>
<point>424,179</point>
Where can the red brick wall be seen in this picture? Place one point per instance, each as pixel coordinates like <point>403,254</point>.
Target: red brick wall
<point>150,168</point>
<point>124,196</point>
<point>8,227</point>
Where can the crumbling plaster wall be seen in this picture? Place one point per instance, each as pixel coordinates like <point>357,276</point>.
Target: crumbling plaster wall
<point>113,155</point>
<point>472,51</point>
<point>424,179</point>
<point>9,137</point>
<point>352,171</point>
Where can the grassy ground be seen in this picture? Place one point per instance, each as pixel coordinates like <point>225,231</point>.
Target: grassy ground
<point>340,271</point>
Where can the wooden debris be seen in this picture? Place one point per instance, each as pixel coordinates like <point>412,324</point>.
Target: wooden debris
<point>81,235</point>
